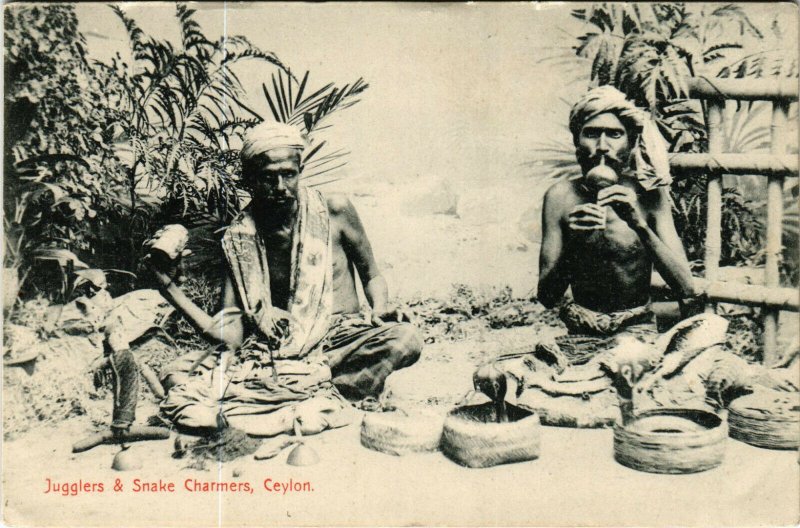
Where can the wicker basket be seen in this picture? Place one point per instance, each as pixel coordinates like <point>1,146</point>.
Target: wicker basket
<point>472,438</point>
<point>396,433</point>
<point>766,419</point>
<point>671,441</point>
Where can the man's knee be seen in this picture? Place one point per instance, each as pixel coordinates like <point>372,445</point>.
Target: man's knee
<point>406,343</point>
<point>172,379</point>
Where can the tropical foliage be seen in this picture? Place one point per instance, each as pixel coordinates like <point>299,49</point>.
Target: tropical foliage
<point>60,165</point>
<point>178,114</point>
<point>100,153</point>
<point>290,102</point>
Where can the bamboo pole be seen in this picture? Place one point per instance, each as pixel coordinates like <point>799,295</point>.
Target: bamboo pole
<point>785,90</point>
<point>750,164</point>
<point>774,231</point>
<point>714,203</point>
<point>748,294</point>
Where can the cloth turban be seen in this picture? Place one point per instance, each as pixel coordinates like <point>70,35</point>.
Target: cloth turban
<point>648,161</point>
<point>272,135</point>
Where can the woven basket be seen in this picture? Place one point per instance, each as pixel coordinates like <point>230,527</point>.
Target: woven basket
<point>766,419</point>
<point>395,433</point>
<point>671,441</point>
<point>472,438</point>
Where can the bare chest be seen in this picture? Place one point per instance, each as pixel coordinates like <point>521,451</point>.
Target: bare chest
<point>617,243</point>
<point>279,260</point>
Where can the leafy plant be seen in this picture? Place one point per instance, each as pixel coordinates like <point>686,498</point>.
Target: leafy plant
<point>649,50</point>
<point>290,103</point>
<point>58,162</point>
<point>178,111</point>
<point>180,118</point>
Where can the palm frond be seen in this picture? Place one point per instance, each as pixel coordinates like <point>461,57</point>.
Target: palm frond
<point>194,41</point>
<point>135,35</point>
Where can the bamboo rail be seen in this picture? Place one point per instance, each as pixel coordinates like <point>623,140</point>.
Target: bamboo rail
<point>739,164</point>
<point>775,166</point>
<point>785,90</point>
<point>774,230</point>
<point>714,205</point>
<point>738,293</point>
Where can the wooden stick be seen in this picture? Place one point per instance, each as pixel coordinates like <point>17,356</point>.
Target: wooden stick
<point>134,434</point>
<point>745,164</point>
<point>714,206</point>
<point>743,89</point>
<point>151,378</point>
<point>774,231</point>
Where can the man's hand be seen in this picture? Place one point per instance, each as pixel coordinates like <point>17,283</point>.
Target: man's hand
<point>587,217</point>
<point>381,316</point>
<point>624,202</point>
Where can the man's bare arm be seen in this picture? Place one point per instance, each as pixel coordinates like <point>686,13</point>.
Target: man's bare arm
<point>553,278</point>
<point>666,248</point>
<point>218,329</point>
<point>661,240</point>
<point>359,252</point>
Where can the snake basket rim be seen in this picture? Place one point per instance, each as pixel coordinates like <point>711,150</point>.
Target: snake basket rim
<point>395,433</point>
<point>475,444</point>
<point>773,432</point>
<point>671,453</point>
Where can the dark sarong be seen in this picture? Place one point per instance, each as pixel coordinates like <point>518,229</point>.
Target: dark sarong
<point>362,356</point>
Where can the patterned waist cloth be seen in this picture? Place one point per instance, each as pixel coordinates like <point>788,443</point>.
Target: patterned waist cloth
<point>581,320</point>
<point>591,332</point>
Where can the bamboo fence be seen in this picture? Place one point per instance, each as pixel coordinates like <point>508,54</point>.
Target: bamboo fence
<point>774,166</point>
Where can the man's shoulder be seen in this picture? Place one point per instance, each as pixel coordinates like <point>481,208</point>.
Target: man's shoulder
<point>560,191</point>
<point>339,203</point>
<point>658,198</point>
<point>343,214</point>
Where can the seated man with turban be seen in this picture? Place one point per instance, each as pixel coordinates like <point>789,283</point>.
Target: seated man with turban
<point>602,235</point>
<point>296,345</point>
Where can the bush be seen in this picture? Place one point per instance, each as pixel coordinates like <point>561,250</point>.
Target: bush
<point>59,163</point>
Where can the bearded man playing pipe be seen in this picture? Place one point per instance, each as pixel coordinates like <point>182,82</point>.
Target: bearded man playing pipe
<point>602,235</point>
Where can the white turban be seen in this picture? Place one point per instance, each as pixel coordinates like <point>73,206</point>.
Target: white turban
<point>649,160</point>
<point>272,135</point>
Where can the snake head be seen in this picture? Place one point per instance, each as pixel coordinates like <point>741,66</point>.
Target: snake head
<point>491,381</point>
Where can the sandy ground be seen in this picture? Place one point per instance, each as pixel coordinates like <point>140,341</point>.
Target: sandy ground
<point>575,481</point>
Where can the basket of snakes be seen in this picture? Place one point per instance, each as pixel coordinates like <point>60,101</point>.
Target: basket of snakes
<point>491,433</point>
<point>765,418</point>
<point>671,441</point>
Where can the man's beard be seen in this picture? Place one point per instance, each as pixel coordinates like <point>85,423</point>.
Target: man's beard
<point>280,202</point>
<point>272,210</point>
